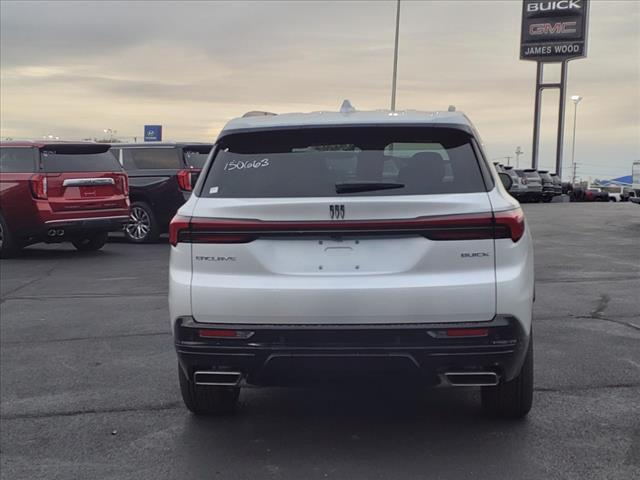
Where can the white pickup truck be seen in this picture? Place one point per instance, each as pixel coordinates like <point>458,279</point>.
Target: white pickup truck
<point>617,194</point>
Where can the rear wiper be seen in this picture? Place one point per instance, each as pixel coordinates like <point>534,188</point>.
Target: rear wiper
<point>365,186</point>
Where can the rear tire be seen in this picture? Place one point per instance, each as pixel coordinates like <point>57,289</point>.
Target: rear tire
<point>512,399</point>
<point>8,246</point>
<point>208,399</point>
<point>91,243</point>
<point>142,226</point>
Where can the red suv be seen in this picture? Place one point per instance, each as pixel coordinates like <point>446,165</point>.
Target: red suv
<point>55,192</point>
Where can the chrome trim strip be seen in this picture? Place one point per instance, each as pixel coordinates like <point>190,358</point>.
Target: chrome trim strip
<point>87,182</point>
<point>73,220</point>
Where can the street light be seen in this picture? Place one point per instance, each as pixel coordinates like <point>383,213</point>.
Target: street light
<point>395,59</point>
<point>576,100</point>
<point>518,153</point>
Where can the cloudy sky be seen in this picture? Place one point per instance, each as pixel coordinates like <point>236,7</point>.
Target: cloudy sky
<point>75,68</point>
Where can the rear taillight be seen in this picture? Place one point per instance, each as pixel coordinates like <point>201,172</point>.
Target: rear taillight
<point>123,181</point>
<point>509,224</point>
<point>452,227</point>
<point>202,230</point>
<point>186,180</point>
<point>177,225</point>
<point>38,185</point>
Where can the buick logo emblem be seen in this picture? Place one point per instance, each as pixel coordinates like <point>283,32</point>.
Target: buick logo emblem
<point>336,212</point>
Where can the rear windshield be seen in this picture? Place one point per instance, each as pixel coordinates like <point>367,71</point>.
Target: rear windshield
<point>195,159</point>
<point>150,158</point>
<point>325,162</point>
<point>79,162</point>
<point>532,174</point>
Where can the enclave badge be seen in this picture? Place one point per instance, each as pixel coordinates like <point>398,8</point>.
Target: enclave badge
<point>336,212</point>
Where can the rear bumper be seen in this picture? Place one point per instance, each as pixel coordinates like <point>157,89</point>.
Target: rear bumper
<point>106,224</point>
<point>293,354</point>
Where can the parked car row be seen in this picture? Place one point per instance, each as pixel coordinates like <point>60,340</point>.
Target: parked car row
<point>590,193</point>
<point>80,191</point>
<point>531,185</point>
<point>161,177</point>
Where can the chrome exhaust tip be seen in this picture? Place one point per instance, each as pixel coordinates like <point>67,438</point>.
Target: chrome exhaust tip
<point>60,232</point>
<point>51,232</point>
<point>218,378</point>
<point>472,379</point>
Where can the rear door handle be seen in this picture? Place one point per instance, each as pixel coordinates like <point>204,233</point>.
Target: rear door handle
<point>87,182</point>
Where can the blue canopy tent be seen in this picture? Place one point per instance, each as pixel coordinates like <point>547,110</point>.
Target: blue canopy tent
<point>624,181</point>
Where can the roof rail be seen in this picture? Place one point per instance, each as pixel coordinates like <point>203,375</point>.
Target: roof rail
<point>257,113</point>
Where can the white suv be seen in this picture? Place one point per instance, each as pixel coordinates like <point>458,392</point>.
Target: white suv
<point>351,246</point>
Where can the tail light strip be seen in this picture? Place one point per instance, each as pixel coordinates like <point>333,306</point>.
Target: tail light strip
<point>38,184</point>
<point>507,224</point>
<point>185,179</point>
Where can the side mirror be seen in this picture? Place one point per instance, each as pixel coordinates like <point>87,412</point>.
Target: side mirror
<point>507,181</point>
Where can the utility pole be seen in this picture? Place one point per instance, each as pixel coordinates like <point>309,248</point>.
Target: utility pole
<point>518,153</point>
<point>573,177</point>
<point>395,60</point>
<point>576,100</point>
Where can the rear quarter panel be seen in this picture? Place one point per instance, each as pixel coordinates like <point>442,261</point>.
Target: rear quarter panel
<point>17,204</point>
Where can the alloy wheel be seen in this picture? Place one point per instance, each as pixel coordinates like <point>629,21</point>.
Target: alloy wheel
<point>139,224</point>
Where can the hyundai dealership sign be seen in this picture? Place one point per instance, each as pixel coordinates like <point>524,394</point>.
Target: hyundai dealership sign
<point>153,133</point>
<point>554,31</point>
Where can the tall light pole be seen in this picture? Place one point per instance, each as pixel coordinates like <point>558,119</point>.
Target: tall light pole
<point>518,153</point>
<point>576,100</point>
<point>395,60</point>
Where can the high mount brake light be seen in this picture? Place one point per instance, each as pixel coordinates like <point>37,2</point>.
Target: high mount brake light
<point>509,224</point>
<point>38,185</point>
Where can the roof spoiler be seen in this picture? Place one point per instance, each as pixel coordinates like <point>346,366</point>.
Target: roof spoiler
<point>257,113</point>
<point>76,148</point>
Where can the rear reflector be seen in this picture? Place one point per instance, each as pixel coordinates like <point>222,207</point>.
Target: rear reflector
<point>240,334</point>
<point>509,224</point>
<point>467,332</point>
<point>38,185</point>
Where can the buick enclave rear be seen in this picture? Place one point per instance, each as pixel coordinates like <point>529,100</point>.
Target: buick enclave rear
<point>360,247</point>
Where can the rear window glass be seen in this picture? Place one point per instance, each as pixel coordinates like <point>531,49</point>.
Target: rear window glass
<point>151,158</point>
<point>16,160</point>
<point>532,174</point>
<point>79,162</point>
<point>195,159</point>
<point>325,162</point>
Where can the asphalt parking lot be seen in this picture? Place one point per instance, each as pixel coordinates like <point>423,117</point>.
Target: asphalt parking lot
<point>89,384</point>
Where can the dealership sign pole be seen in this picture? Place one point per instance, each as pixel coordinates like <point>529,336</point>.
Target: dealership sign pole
<point>552,32</point>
